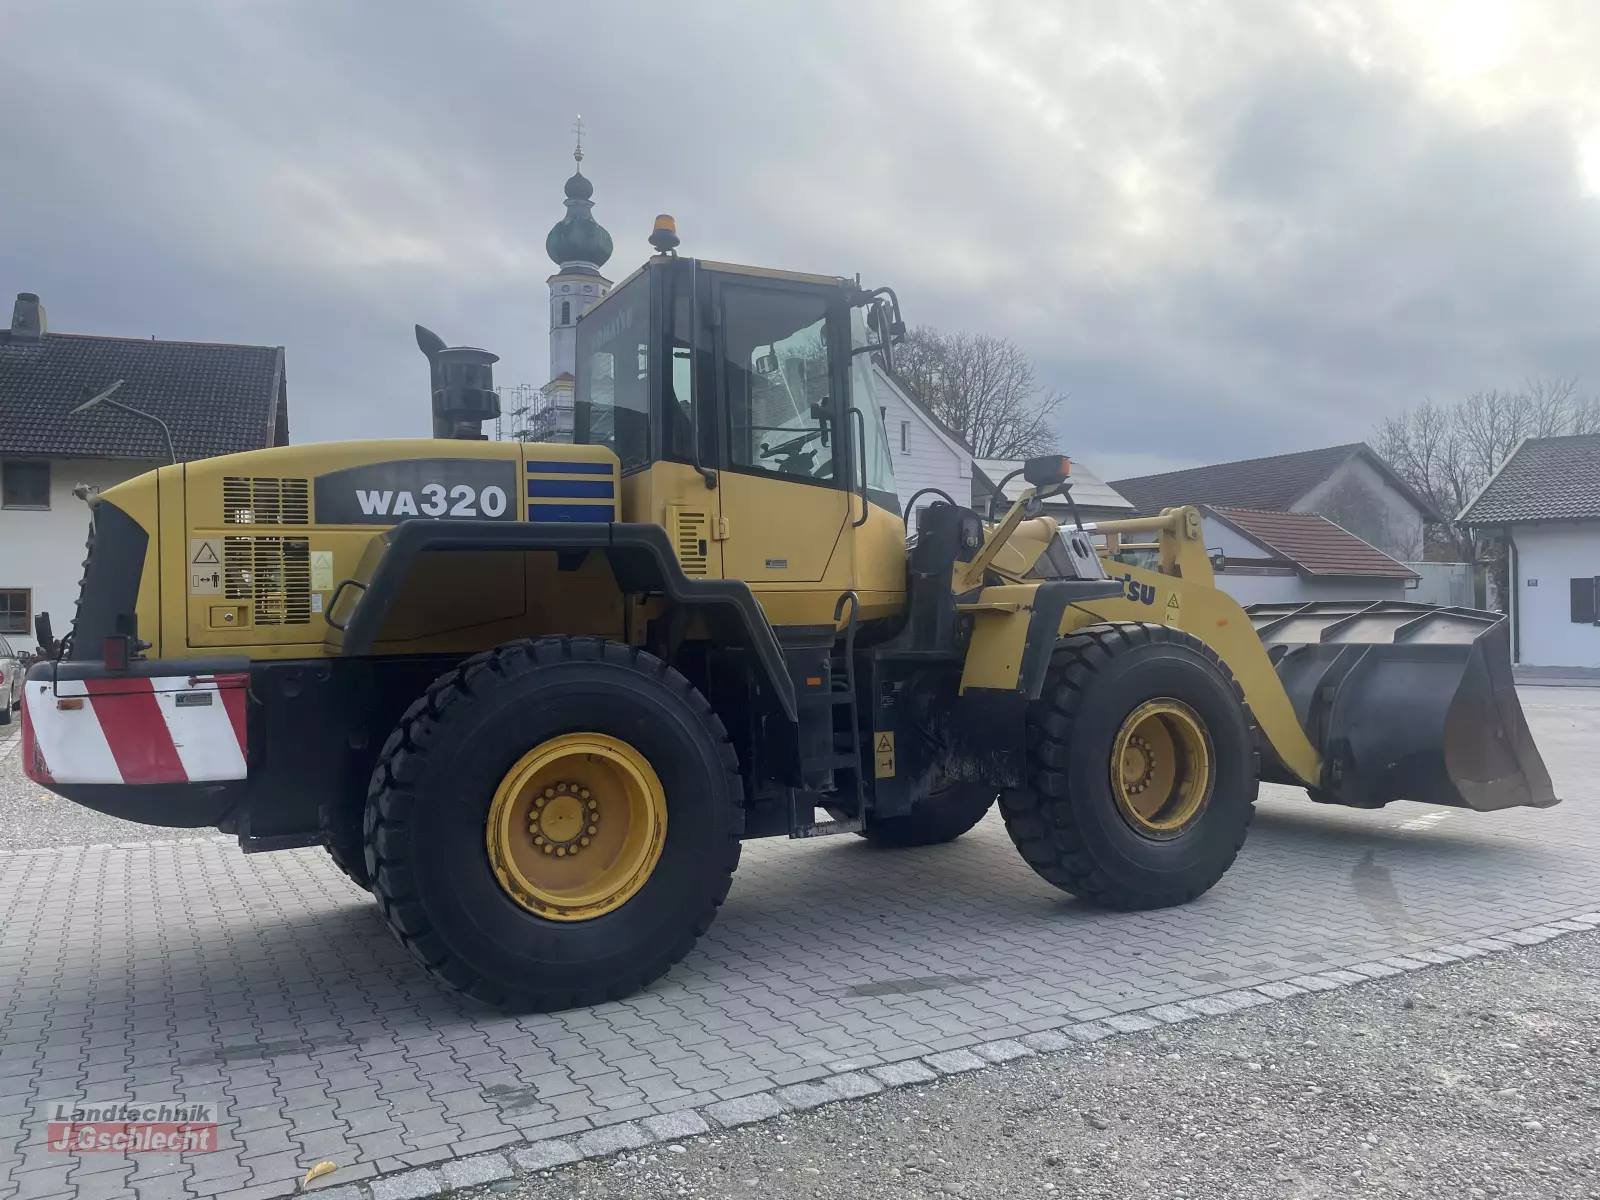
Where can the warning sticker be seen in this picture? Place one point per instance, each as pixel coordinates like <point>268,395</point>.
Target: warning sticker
<point>322,570</point>
<point>1174,609</point>
<point>883,755</point>
<point>205,566</point>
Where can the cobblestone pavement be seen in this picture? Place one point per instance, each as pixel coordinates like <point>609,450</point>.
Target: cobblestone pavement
<point>183,968</point>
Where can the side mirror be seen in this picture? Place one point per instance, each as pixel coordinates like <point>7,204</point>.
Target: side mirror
<point>42,633</point>
<point>1219,560</point>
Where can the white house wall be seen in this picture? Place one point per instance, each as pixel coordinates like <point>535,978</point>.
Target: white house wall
<point>1549,557</point>
<point>1360,497</point>
<point>1296,588</point>
<point>929,459</point>
<point>1230,541</point>
<point>43,548</point>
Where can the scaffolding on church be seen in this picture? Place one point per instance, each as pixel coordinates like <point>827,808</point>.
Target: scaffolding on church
<point>527,414</point>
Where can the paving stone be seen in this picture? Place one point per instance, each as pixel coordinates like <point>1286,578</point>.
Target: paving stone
<point>1172,1014</point>
<point>1132,1022</point>
<point>542,1155</point>
<point>335,1045</point>
<point>612,1139</point>
<point>801,1096</point>
<point>470,1172</point>
<point>952,1062</point>
<point>746,1109</point>
<point>412,1185</point>
<point>1280,990</point>
<point>668,1126</point>
<point>1002,1050</point>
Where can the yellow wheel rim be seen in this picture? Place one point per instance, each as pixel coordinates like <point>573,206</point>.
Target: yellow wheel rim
<point>577,826</point>
<point>1162,768</point>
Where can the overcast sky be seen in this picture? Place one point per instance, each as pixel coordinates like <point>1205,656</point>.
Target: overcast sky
<point>1226,229</point>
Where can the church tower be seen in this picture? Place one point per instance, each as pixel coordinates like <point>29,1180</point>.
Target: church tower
<point>579,247</point>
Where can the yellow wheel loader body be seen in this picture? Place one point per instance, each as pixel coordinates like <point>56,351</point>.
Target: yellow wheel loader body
<point>708,612</point>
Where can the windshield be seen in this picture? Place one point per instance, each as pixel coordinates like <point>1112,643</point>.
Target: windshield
<point>612,406</point>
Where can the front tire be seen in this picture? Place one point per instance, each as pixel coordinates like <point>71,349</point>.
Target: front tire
<point>1141,769</point>
<point>578,745</point>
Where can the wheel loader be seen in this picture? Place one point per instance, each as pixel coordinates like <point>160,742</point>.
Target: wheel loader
<point>533,696</point>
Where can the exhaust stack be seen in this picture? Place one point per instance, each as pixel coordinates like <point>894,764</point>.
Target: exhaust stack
<point>462,387</point>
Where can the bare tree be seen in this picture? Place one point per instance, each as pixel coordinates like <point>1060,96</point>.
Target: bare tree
<point>984,388</point>
<point>1447,452</point>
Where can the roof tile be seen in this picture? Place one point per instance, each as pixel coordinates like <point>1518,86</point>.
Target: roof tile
<point>1273,483</point>
<point>1544,479</point>
<point>216,398</point>
<point>1314,544</point>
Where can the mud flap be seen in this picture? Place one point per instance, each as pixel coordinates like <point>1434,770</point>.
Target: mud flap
<point>1406,702</point>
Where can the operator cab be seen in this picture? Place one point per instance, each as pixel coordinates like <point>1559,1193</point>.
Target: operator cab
<point>758,373</point>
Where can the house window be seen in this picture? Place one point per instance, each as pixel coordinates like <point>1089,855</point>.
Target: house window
<point>25,484</point>
<point>905,436</point>
<point>566,312</point>
<point>1586,601</point>
<point>15,610</point>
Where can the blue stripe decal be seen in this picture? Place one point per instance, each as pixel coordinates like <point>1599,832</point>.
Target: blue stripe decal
<point>597,488</point>
<point>572,468</point>
<point>571,512</point>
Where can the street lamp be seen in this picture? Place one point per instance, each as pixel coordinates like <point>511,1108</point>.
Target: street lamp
<point>105,397</point>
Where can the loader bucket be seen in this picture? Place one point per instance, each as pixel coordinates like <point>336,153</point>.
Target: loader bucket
<point>1406,702</point>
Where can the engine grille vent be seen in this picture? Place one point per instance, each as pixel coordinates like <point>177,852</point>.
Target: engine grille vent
<point>265,501</point>
<point>691,530</point>
<point>273,573</point>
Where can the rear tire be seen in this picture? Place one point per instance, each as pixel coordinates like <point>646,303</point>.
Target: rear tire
<point>943,815</point>
<point>445,769</point>
<point>1075,827</point>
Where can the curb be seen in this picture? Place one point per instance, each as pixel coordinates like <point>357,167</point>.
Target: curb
<point>852,1083</point>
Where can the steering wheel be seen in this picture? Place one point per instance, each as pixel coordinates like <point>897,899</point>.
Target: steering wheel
<point>791,447</point>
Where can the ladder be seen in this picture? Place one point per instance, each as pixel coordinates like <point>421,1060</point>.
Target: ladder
<point>845,761</point>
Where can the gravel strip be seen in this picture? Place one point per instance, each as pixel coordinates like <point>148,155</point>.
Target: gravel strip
<point>1477,1079</point>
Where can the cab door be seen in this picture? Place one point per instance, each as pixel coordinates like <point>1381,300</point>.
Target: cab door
<point>781,356</point>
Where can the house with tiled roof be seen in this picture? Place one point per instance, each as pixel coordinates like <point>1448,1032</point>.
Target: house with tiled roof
<point>1351,485</point>
<point>1263,556</point>
<point>1544,502</point>
<point>207,398</point>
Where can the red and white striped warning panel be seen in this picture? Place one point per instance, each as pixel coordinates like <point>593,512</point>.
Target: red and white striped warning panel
<point>164,729</point>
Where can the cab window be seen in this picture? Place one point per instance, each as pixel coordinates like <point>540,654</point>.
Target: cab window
<point>864,396</point>
<point>777,370</point>
<point>612,406</point>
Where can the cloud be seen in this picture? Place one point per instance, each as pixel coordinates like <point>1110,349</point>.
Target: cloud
<point>1224,229</point>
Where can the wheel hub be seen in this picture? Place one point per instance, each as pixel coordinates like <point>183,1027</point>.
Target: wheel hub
<point>1162,768</point>
<point>576,827</point>
<point>564,820</point>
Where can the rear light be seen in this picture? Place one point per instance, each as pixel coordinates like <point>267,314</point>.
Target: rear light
<point>114,650</point>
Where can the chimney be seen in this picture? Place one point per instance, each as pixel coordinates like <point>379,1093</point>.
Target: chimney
<point>27,318</point>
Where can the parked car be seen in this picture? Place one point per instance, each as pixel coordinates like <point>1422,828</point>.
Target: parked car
<point>11,673</point>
